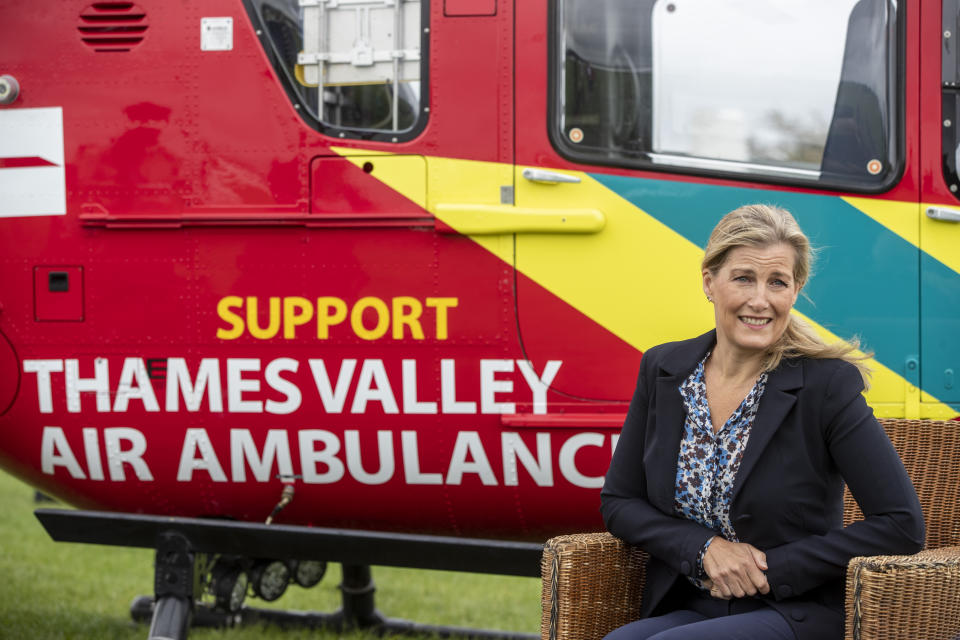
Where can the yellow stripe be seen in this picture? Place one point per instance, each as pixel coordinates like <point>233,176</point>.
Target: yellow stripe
<point>937,239</point>
<point>450,181</point>
<point>898,217</point>
<point>485,219</point>
<point>660,301</point>
<point>404,174</point>
<point>908,220</point>
<point>607,276</point>
<point>941,239</point>
<point>637,278</point>
<point>888,391</point>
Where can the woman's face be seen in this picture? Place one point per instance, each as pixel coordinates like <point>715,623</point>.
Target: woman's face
<point>753,292</point>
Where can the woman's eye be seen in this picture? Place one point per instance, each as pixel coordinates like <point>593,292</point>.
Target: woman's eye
<point>779,283</point>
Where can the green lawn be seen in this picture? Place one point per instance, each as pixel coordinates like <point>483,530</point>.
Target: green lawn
<point>76,592</point>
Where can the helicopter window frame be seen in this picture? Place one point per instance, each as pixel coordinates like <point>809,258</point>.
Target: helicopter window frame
<point>298,94</point>
<point>568,143</point>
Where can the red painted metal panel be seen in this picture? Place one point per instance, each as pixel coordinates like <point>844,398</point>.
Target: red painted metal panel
<point>470,7</point>
<point>338,186</point>
<point>929,124</point>
<point>597,364</point>
<point>58,293</point>
<point>9,374</point>
<point>612,420</point>
<point>189,182</point>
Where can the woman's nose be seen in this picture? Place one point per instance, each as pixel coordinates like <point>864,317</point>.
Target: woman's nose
<point>758,299</point>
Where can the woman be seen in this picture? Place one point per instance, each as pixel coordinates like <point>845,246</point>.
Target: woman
<point>730,467</point>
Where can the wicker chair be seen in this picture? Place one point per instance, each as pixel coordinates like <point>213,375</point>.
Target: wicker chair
<point>592,582</point>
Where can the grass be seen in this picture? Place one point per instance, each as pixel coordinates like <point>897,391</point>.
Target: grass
<point>75,591</point>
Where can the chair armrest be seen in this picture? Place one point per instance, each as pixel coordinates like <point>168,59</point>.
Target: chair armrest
<point>592,584</point>
<point>915,597</point>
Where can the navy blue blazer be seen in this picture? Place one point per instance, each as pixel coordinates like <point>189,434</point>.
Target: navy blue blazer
<point>812,432</point>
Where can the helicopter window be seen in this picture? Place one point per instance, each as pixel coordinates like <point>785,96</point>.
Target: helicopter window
<point>353,69</point>
<point>784,90</point>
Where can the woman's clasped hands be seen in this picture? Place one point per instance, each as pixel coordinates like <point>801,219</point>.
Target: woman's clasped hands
<point>734,569</point>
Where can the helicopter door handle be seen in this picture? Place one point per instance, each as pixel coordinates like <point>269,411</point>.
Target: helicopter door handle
<point>548,177</point>
<point>941,213</point>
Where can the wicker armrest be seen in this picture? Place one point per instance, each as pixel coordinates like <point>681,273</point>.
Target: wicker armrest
<point>591,585</point>
<point>915,597</point>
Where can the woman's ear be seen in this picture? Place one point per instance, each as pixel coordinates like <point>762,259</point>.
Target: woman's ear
<point>707,284</point>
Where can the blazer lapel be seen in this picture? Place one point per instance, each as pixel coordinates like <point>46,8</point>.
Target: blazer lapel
<point>774,406</point>
<point>670,416</point>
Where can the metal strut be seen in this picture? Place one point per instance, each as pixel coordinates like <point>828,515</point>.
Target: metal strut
<point>357,589</point>
<point>174,583</point>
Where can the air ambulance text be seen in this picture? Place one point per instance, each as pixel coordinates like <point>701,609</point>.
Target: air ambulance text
<point>321,456</point>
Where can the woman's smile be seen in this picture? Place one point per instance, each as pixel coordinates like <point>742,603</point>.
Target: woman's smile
<point>755,322</point>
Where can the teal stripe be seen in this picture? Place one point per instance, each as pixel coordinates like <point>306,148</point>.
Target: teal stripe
<point>940,329</point>
<point>866,277</point>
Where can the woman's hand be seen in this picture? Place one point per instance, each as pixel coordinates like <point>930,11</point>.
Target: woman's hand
<point>735,569</point>
<point>714,590</point>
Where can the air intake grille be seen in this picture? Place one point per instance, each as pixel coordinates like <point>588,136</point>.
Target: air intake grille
<point>112,26</point>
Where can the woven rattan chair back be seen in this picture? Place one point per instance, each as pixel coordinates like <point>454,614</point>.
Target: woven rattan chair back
<point>930,451</point>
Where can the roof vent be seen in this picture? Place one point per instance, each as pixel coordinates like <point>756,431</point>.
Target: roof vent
<point>112,26</point>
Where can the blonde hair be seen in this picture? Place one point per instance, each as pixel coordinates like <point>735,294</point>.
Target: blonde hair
<point>760,225</point>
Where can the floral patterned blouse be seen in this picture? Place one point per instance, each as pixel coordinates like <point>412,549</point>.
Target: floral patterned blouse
<point>708,461</point>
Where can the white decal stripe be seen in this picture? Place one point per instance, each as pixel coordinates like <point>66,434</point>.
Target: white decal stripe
<point>32,191</point>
